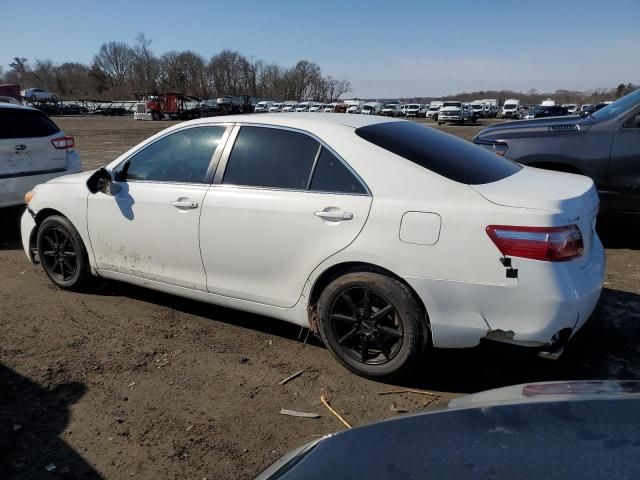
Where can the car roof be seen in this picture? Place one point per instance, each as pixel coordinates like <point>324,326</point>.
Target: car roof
<point>14,106</point>
<point>300,120</point>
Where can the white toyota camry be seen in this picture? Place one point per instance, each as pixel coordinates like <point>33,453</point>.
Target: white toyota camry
<point>383,235</point>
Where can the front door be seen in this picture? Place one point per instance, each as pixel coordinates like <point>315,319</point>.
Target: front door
<point>283,205</point>
<point>148,226</point>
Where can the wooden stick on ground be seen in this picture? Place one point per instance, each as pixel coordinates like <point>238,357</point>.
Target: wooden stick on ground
<point>337,415</point>
<point>291,377</point>
<point>409,390</point>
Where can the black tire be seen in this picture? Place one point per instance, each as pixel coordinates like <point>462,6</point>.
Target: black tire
<point>156,116</point>
<point>62,253</point>
<point>380,338</point>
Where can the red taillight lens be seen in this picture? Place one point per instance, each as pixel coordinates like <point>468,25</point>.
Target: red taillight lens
<point>63,143</point>
<point>553,244</point>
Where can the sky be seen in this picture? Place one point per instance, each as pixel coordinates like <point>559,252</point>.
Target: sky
<point>385,48</point>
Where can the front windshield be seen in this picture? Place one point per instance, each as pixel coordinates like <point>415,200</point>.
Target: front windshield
<point>367,107</point>
<point>510,106</point>
<point>391,105</point>
<point>434,109</point>
<point>476,107</point>
<point>618,107</point>
<point>277,105</point>
<point>452,104</point>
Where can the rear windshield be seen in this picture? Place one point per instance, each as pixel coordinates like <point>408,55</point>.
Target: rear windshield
<point>19,123</point>
<point>446,155</point>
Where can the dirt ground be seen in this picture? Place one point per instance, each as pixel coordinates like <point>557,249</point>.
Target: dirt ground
<point>123,382</point>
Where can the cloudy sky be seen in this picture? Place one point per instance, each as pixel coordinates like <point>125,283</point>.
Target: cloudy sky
<point>385,48</point>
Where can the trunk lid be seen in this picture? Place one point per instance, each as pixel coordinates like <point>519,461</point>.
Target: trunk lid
<point>572,198</point>
<point>30,156</point>
<point>25,143</point>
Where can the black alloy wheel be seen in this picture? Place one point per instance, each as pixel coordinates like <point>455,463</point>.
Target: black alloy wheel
<point>372,323</point>
<point>62,253</point>
<point>59,255</point>
<point>366,325</point>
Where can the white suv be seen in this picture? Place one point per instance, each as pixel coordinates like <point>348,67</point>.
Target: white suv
<point>32,151</point>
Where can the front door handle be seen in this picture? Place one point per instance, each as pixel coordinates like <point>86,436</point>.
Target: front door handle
<point>183,204</point>
<point>334,215</point>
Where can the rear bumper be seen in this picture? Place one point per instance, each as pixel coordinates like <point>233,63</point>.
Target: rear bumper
<point>548,305</point>
<point>12,190</point>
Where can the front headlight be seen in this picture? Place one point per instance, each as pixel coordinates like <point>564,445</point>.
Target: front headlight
<point>499,148</point>
<point>29,196</point>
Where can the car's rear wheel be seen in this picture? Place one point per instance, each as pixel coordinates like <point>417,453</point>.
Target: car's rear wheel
<point>62,253</point>
<point>373,324</point>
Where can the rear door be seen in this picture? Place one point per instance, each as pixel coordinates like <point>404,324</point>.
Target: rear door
<point>281,203</point>
<point>624,177</point>
<point>25,144</point>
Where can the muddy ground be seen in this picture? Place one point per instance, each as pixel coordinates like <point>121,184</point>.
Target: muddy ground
<point>123,382</point>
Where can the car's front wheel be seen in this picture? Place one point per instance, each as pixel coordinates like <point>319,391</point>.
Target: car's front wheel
<point>62,253</point>
<point>373,324</point>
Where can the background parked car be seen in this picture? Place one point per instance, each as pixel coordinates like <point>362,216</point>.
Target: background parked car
<point>453,111</point>
<point>391,110</point>
<point>263,106</point>
<point>372,108</point>
<point>511,108</point>
<point>32,151</point>
<point>546,111</point>
<point>415,110</point>
<point>572,108</point>
<point>603,145</point>
<point>38,94</point>
<point>502,434</point>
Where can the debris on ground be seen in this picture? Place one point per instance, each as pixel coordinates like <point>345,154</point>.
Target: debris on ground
<point>336,414</point>
<point>294,413</point>
<point>409,390</point>
<point>290,377</point>
<point>50,468</point>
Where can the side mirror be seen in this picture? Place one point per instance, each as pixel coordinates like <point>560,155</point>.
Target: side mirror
<point>99,181</point>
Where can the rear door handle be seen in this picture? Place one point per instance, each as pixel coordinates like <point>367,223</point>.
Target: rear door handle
<point>334,215</point>
<point>184,204</point>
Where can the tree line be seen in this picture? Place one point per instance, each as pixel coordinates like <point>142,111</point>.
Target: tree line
<point>120,69</point>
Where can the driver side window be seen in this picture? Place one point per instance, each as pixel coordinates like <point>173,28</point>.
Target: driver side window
<point>181,157</point>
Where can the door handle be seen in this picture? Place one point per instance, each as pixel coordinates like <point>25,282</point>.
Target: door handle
<point>184,204</point>
<point>334,215</point>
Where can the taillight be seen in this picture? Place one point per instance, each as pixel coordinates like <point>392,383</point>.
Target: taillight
<point>554,244</point>
<point>63,143</point>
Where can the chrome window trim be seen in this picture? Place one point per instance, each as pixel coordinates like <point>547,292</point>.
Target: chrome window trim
<point>222,165</point>
<point>213,162</point>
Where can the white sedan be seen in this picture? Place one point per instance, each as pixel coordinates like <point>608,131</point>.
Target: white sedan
<point>384,236</point>
<point>38,94</point>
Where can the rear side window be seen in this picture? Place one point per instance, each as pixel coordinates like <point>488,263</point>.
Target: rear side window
<point>271,157</point>
<point>19,123</point>
<point>331,175</point>
<point>446,155</point>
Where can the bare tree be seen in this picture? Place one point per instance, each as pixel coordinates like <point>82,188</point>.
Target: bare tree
<point>145,65</point>
<point>336,87</point>
<point>116,60</point>
<point>183,72</point>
